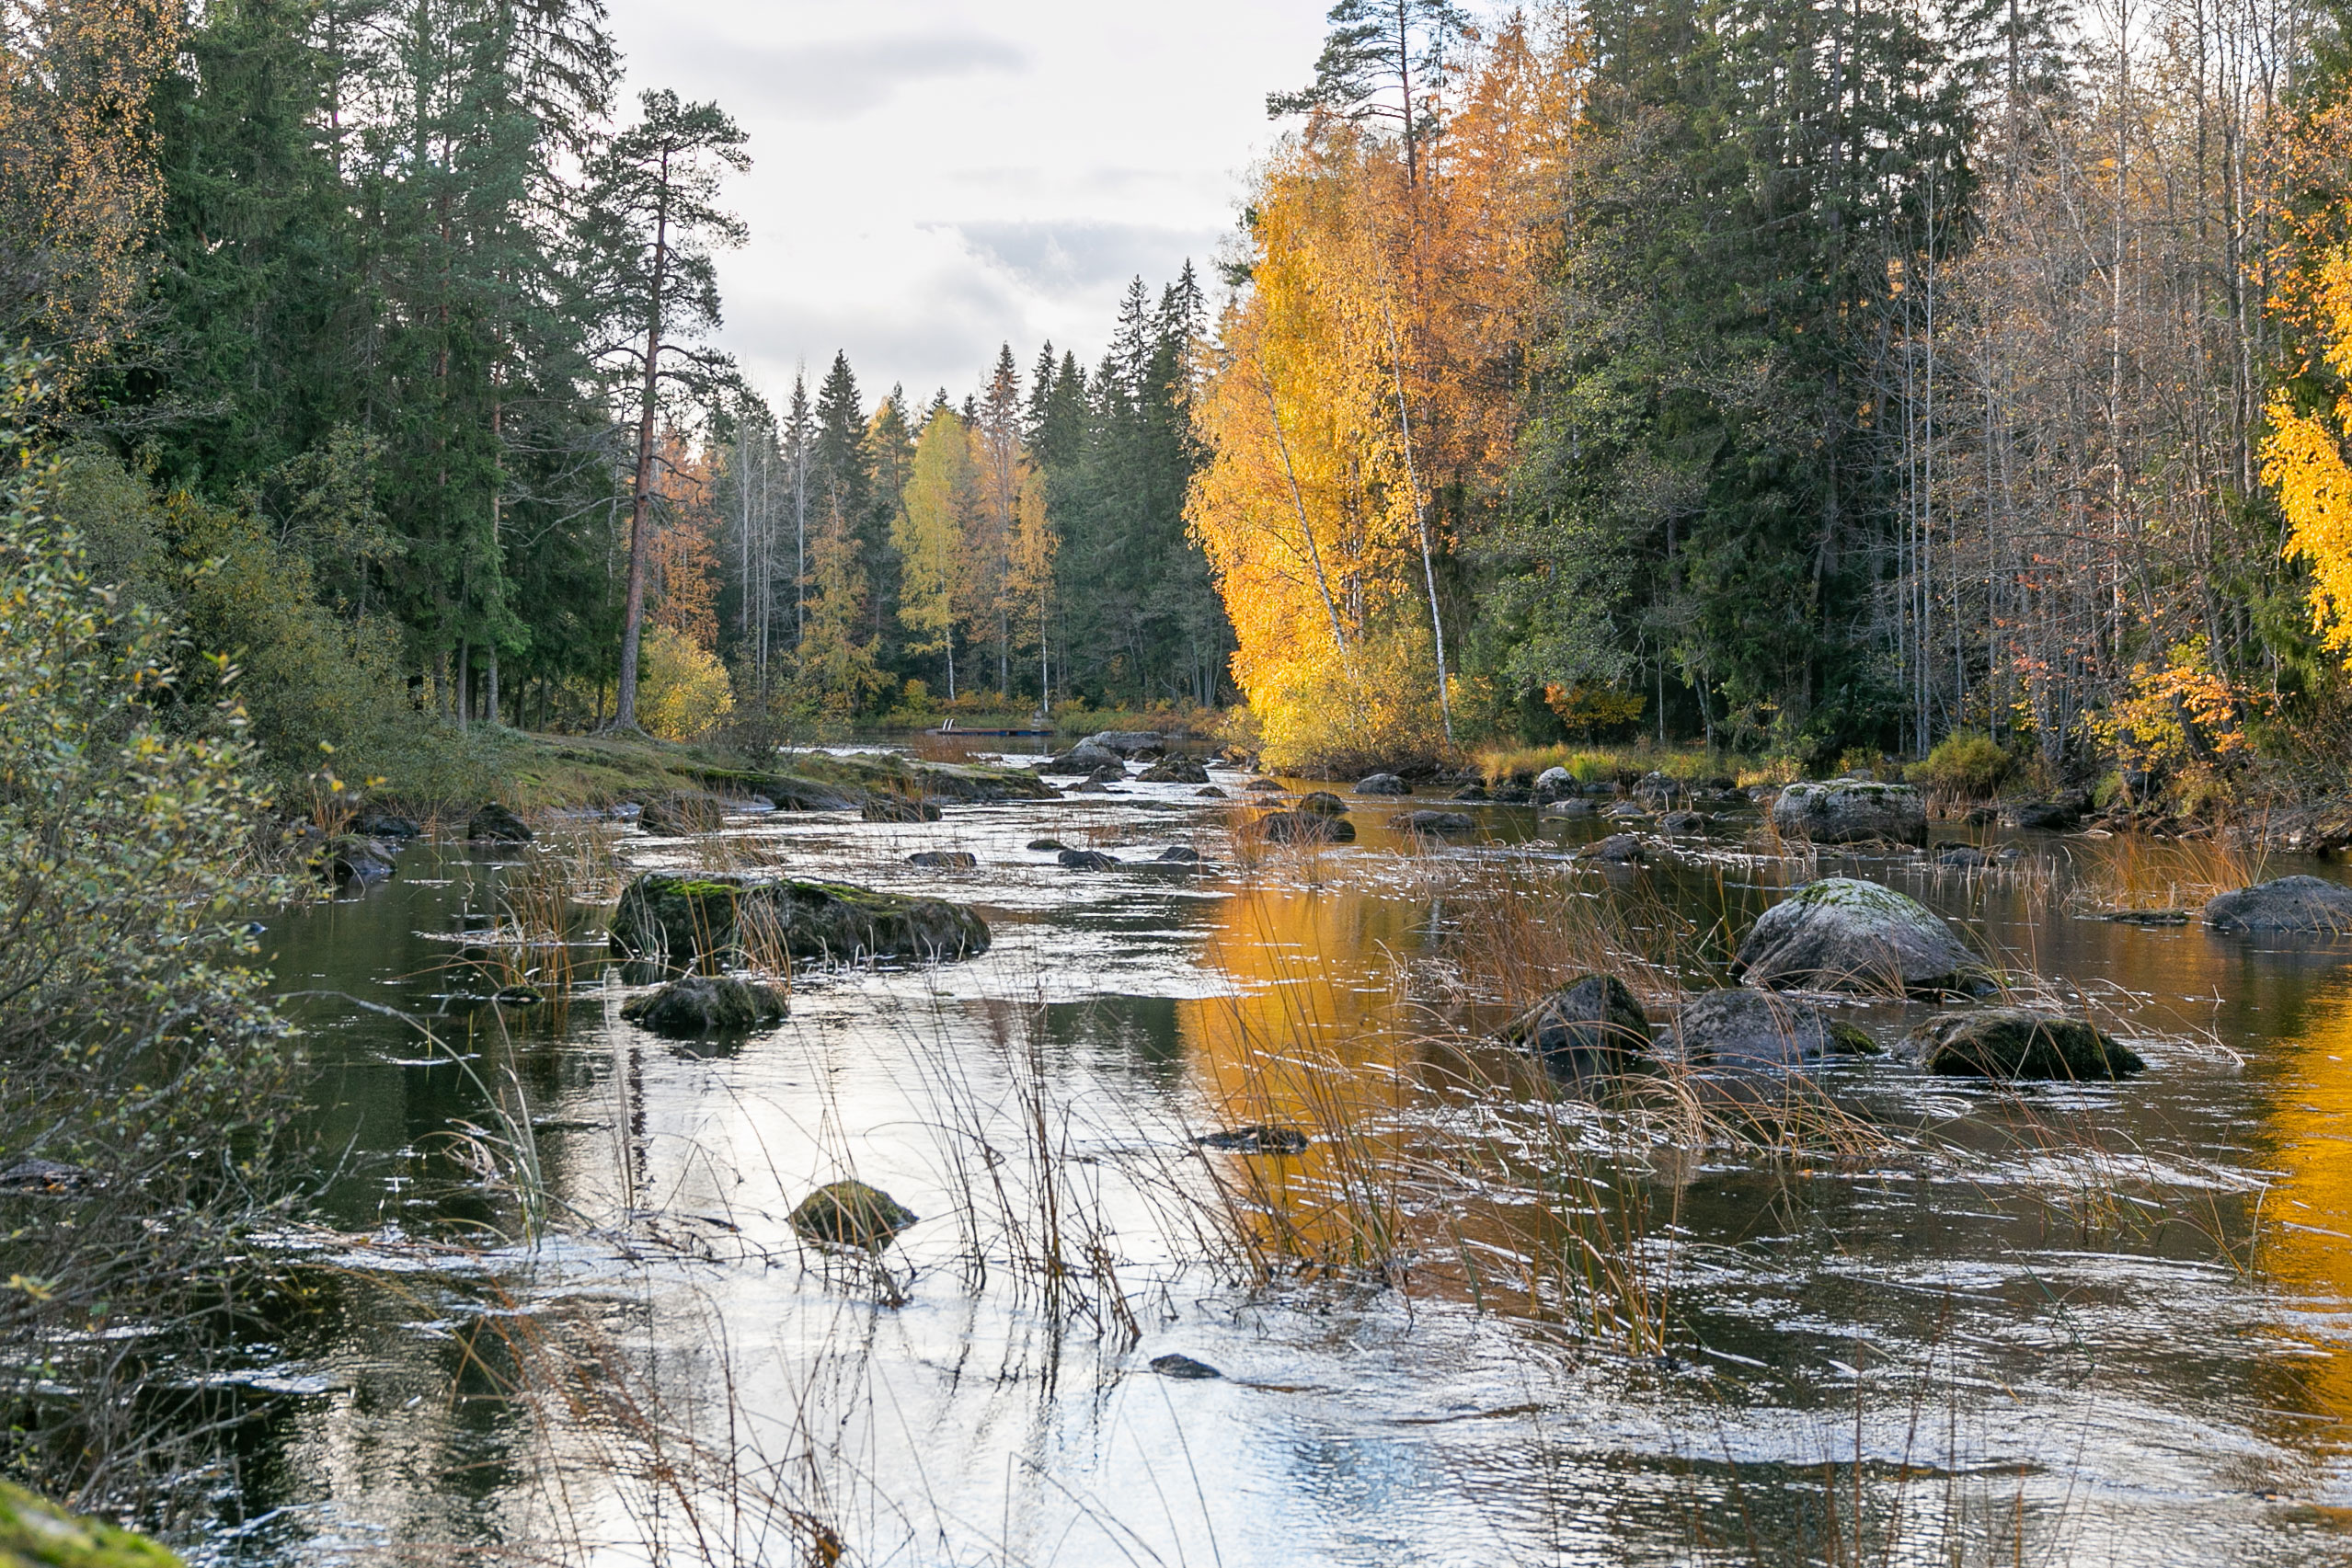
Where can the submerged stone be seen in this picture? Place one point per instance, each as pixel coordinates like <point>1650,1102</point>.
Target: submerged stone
<point>1435,824</point>
<point>1304,828</point>
<point>2305,904</point>
<point>897,808</point>
<point>851,1214</point>
<point>1321,802</point>
<point>1255,1139</point>
<point>945,859</point>
<point>1183,1366</point>
<point>1617,849</point>
<point>682,919</point>
<point>1087,860</point>
<point>1382,784</point>
<point>1843,934</point>
<point>2019,1042</point>
<point>707,1004</point>
<point>1047,846</point>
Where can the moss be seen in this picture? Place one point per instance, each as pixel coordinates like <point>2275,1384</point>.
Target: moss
<point>852,1214</point>
<point>37,1533</point>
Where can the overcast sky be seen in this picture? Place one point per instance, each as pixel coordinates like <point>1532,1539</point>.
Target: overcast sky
<point>935,179</point>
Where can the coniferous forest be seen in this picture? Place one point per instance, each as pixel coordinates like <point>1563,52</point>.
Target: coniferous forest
<point>1800,381</point>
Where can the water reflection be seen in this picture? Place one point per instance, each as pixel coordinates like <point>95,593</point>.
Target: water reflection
<point>2028,1316</point>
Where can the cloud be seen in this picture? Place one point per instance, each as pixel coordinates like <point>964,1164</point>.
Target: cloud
<point>836,80</point>
<point>1057,259</point>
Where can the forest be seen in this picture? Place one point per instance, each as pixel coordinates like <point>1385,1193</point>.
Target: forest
<point>1808,383</point>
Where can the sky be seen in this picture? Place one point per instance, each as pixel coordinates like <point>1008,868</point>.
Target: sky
<point>933,180</point>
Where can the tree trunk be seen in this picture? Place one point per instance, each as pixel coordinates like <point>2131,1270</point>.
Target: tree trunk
<point>624,707</point>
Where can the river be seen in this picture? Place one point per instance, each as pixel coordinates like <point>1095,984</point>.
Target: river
<point>1476,1320</point>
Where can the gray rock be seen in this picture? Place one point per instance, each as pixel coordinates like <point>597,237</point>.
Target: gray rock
<point>1126,743</point>
<point>2019,1042</point>
<point>680,919</point>
<point>897,808</point>
<point>2050,816</point>
<point>1302,827</point>
<point>1087,860</point>
<point>1382,784</point>
<point>1590,1025</point>
<point>1849,813</point>
<point>1472,794</point>
<point>851,1214</point>
<point>707,1005</point>
<point>1178,855</point>
<point>1321,802</point>
<point>1046,845</point>
<point>1843,934</point>
<point>1209,793</point>
<point>1685,822</point>
<point>1626,811</point>
<point>2289,904</point>
<point>1568,808</point>
<point>351,858</point>
<point>1962,857</point>
<point>1617,849</point>
<point>1745,1028</point>
<point>945,859</point>
<point>495,824</point>
<point>1556,778</point>
<point>1434,824</point>
<point>384,826</point>
<point>1263,785</point>
<point>1175,770</point>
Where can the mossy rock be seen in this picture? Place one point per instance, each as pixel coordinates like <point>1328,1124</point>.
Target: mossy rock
<point>683,919</point>
<point>496,825</point>
<point>897,808</point>
<point>707,1004</point>
<point>1302,827</point>
<point>37,1533</point>
<point>851,1214</point>
<point>1841,934</point>
<point>1752,1029</point>
<point>2020,1042</point>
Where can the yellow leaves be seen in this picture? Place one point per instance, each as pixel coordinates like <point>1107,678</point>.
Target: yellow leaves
<point>2302,458</point>
<point>684,694</point>
<point>2177,714</point>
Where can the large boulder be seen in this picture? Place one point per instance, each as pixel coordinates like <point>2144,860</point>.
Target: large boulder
<point>1745,1028</point>
<point>1617,849</point>
<point>1590,1025</point>
<point>1843,934</point>
<point>2289,904</point>
<point>2051,815</point>
<point>1321,803</point>
<point>1174,770</point>
<point>351,858</point>
<point>494,824</point>
<point>381,825</point>
<point>1557,780</point>
<point>1382,784</point>
<point>851,1214</point>
<point>707,1005</point>
<point>943,860</point>
<point>1126,743</point>
<point>2019,1042</point>
<point>683,918</point>
<point>1302,827</point>
<point>1846,812</point>
<point>1087,860</point>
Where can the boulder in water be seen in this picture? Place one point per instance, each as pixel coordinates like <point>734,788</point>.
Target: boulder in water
<point>1083,757</point>
<point>1087,860</point>
<point>1472,794</point>
<point>496,825</point>
<point>2019,1042</point>
<point>1126,743</point>
<point>1745,1028</point>
<point>384,826</point>
<point>1961,857</point>
<point>1264,785</point>
<point>1321,803</point>
<point>1047,846</point>
<point>351,858</point>
<point>707,1004</point>
<point>680,919</point>
<point>851,1214</point>
<point>1178,855</point>
<point>1577,807</point>
<point>2050,816</point>
<point>1685,822</point>
<point>1175,770</point>
<point>1843,934</point>
<point>1183,1366</point>
<point>945,859</point>
<point>1302,827</point>
<point>1208,792</point>
<point>1382,784</point>
<point>1851,812</point>
<point>1617,849</point>
<point>1590,1025</point>
<point>2304,904</point>
<point>1434,824</point>
<point>897,808</point>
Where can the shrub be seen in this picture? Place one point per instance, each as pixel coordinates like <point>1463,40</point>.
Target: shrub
<point>1966,763</point>
<point>685,694</point>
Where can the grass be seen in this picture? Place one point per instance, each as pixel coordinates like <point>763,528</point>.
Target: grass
<point>1589,765</point>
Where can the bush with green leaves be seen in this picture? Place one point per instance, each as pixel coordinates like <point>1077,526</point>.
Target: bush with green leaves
<point>144,1079</point>
<point>1967,764</point>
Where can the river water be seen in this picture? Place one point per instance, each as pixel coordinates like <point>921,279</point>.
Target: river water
<point>1475,1321</point>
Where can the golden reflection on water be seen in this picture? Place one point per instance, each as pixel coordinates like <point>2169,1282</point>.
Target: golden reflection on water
<point>2306,1245</point>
